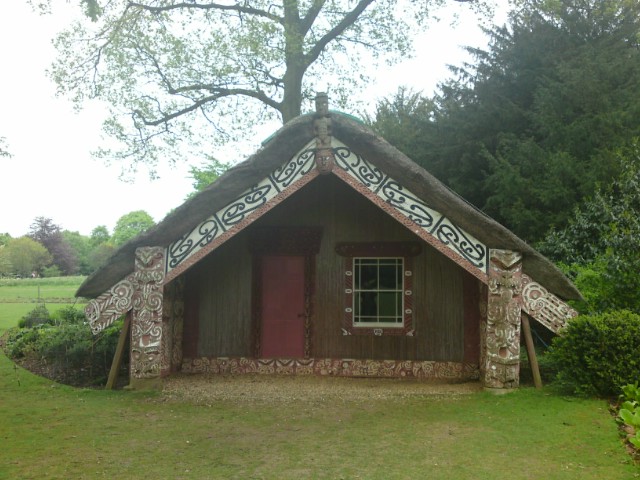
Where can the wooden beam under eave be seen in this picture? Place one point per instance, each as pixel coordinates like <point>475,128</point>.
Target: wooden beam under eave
<point>117,357</point>
<point>531,352</point>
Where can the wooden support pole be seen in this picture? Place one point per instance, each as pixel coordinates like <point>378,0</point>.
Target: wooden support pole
<point>117,358</point>
<point>531,352</point>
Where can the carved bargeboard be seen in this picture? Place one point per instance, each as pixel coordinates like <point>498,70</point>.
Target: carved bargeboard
<point>111,305</point>
<point>544,306</point>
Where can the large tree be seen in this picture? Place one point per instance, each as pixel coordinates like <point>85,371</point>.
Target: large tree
<point>46,232</point>
<point>600,244</point>
<point>532,124</point>
<point>130,225</point>
<point>171,68</point>
<point>27,256</point>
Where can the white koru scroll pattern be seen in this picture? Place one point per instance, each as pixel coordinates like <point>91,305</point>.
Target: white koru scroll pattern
<point>434,226</point>
<point>247,205</point>
<point>111,305</point>
<point>545,307</point>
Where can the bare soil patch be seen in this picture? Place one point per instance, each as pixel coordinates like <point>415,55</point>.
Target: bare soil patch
<point>279,389</point>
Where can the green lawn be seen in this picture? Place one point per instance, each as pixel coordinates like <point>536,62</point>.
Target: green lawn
<point>30,290</point>
<point>53,431</point>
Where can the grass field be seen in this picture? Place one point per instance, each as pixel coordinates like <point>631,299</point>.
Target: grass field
<point>53,431</point>
<point>32,290</point>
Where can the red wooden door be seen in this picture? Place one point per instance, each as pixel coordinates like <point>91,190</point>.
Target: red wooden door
<point>282,306</point>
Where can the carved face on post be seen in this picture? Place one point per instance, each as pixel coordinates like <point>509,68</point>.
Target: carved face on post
<point>322,104</point>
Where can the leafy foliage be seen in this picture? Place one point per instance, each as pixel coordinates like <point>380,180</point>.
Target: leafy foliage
<point>176,73</point>
<point>629,412</point>
<point>38,316</point>
<point>206,174</point>
<point>4,151</point>
<point>533,124</point>
<point>600,243</point>
<point>598,353</point>
<point>81,248</point>
<point>131,225</point>
<point>65,343</point>
<point>26,256</point>
<point>49,234</point>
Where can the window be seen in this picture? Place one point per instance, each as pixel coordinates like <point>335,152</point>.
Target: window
<point>378,280</point>
<point>378,292</point>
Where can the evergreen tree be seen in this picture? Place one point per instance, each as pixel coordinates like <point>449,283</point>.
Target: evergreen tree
<point>531,126</point>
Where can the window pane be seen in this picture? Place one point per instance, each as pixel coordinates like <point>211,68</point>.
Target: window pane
<point>388,304</point>
<point>389,277</point>
<point>368,303</point>
<point>369,277</point>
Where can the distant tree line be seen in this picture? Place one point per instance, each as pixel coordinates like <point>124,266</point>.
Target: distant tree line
<point>48,250</point>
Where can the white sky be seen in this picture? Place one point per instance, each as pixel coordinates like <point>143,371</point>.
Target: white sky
<point>52,173</point>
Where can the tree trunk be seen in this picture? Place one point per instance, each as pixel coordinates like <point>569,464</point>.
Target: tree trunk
<point>292,100</point>
<point>295,60</point>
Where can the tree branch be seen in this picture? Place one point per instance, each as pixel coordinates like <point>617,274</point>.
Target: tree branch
<point>349,19</point>
<point>217,95</point>
<point>310,17</point>
<point>210,6</point>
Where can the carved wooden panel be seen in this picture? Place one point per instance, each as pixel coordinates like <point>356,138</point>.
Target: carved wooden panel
<point>411,211</point>
<point>333,367</point>
<point>501,342</point>
<point>111,305</point>
<point>251,204</point>
<point>146,327</point>
<point>544,306</point>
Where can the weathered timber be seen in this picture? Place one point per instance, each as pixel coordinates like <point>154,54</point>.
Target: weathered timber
<point>117,357</point>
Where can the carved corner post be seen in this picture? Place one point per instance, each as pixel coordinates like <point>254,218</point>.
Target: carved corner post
<point>146,325</point>
<point>500,334</point>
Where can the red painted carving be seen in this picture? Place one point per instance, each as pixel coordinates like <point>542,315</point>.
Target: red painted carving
<point>334,367</point>
<point>146,327</point>
<point>501,333</point>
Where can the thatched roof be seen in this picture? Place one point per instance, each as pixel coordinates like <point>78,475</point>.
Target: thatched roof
<point>283,145</point>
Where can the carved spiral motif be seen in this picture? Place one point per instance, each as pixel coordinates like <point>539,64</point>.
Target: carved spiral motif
<point>366,173</point>
<point>476,253</point>
<point>416,210</point>
<point>291,171</point>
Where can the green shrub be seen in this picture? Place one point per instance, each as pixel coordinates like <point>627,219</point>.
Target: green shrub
<point>596,354</point>
<point>22,342</point>
<point>52,271</point>
<point>629,413</point>
<point>65,343</point>
<point>38,316</point>
<point>69,315</point>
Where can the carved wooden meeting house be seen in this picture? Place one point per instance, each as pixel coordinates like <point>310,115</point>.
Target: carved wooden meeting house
<point>328,252</point>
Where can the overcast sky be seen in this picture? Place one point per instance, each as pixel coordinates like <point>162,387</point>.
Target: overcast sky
<point>52,173</point>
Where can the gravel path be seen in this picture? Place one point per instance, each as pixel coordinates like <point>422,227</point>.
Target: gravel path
<point>274,389</point>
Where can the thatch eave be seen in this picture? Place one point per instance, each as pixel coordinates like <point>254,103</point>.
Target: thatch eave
<point>281,147</point>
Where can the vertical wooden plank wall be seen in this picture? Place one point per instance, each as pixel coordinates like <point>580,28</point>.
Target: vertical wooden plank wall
<point>223,282</point>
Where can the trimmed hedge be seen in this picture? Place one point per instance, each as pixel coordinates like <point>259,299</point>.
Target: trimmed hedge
<point>596,354</point>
